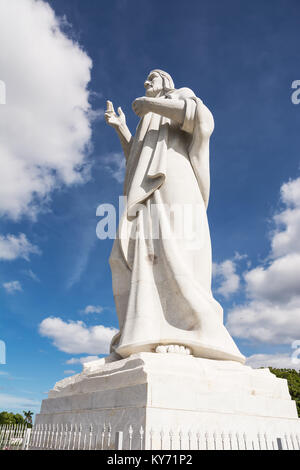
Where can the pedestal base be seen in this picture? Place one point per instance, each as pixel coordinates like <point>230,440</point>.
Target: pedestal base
<point>170,392</point>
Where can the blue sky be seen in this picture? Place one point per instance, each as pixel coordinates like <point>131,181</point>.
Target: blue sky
<point>241,58</point>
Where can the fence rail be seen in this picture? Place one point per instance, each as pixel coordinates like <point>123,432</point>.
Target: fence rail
<point>80,437</point>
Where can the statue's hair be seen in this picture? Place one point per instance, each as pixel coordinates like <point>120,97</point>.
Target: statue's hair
<point>167,79</point>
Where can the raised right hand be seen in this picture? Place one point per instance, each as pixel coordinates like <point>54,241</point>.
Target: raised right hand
<point>112,118</point>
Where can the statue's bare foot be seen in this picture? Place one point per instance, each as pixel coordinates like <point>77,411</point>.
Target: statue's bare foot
<point>173,348</point>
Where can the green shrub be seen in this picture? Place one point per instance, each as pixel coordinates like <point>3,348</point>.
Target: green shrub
<point>293,378</point>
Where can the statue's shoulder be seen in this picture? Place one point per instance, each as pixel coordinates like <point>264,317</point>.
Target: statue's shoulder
<point>180,93</point>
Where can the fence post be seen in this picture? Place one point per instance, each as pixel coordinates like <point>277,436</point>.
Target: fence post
<point>26,439</point>
<point>279,443</point>
<point>119,440</point>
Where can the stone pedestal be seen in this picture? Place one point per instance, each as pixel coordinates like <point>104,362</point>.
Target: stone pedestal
<point>172,392</point>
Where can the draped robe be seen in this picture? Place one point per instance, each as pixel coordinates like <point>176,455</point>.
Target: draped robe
<point>162,278</point>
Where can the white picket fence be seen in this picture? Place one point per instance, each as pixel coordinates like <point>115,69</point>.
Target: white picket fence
<point>77,437</point>
<point>13,436</point>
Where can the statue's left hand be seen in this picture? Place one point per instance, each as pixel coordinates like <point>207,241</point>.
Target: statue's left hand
<point>140,107</point>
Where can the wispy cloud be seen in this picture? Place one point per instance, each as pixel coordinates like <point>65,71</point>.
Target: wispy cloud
<point>92,309</point>
<point>69,372</point>
<point>29,273</point>
<point>81,260</point>
<point>114,163</point>
<point>12,287</point>
<point>13,247</point>
<point>81,360</point>
<point>18,403</point>
<point>279,361</point>
<point>96,114</point>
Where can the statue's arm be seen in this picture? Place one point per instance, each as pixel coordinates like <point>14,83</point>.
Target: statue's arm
<point>118,122</point>
<point>173,109</point>
<point>125,137</point>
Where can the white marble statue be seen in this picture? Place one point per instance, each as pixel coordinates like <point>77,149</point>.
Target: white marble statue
<point>173,366</point>
<point>162,281</point>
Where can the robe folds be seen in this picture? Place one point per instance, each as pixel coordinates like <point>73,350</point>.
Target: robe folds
<point>161,259</point>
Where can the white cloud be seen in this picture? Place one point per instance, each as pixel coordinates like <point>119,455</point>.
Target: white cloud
<point>92,309</point>
<point>266,322</point>
<point>227,278</point>
<point>75,337</point>
<point>278,361</point>
<point>81,360</point>
<point>278,283</point>
<point>18,403</point>
<point>45,126</point>
<point>290,193</point>
<point>12,247</point>
<point>286,239</point>
<point>272,311</point>
<point>13,286</point>
<point>115,164</point>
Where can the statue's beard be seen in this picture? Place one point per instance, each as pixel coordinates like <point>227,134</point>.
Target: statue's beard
<point>154,92</point>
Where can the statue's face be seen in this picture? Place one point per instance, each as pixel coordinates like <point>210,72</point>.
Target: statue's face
<point>153,84</point>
